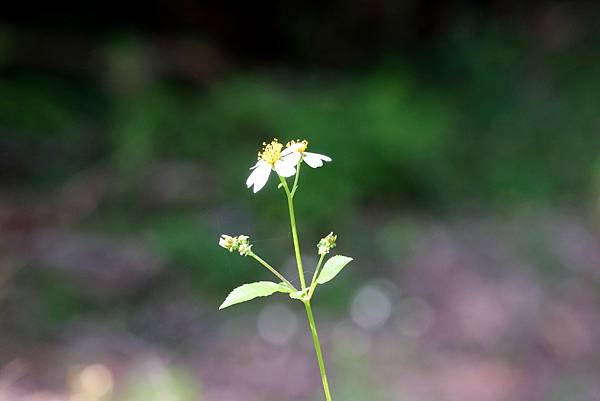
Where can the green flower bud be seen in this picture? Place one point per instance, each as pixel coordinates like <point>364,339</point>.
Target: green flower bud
<point>326,243</point>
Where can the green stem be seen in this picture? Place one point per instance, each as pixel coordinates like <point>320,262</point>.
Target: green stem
<point>313,282</point>
<point>317,344</point>
<point>295,186</point>
<point>309,314</point>
<point>272,269</point>
<point>294,231</point>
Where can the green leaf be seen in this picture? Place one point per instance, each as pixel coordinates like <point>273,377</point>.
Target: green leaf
<point>332,267</point>
<point>250,291</point>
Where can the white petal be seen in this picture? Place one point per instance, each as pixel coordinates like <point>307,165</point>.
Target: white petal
<point>292,158</point>
<point>322,157</point>
<point>287,151</point>
<point>259,176</point>
<point>315,160</point>
<point>293,148</point>
<point>252,177</point>
<point>285,167</point>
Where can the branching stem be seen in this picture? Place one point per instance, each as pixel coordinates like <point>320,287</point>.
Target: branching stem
<point>309,314</point>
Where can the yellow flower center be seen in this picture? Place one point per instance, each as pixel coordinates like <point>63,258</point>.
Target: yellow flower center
<point>301,145</point>
<point>271,152</point>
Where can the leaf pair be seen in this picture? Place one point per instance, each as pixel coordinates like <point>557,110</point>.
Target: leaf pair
<point>257,289</point>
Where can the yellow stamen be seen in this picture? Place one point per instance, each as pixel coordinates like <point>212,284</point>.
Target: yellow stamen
<point>301,145</point>
<point>271,152</point>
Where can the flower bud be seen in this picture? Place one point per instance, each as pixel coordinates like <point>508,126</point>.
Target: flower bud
<point>326,243</point>
<point>243,246</point>
<point>239,243</point>
<point>227,242</point>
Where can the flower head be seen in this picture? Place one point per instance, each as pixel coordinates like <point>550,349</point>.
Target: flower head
<point>271,152</point>
<point>326,243</point>
<point>270,158</point>
<point>296,150</point>
<point>239,243</point>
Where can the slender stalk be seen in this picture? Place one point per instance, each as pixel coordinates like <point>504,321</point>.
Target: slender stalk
<point>294,231</point>
<point>295,186</point>
<point>272,269</point>
<point>309,314</point>
<point>317,344</point>
<point>313,282</point>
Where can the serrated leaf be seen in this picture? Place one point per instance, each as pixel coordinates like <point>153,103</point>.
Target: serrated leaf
<point>250,291</point>
<point>332,267</point>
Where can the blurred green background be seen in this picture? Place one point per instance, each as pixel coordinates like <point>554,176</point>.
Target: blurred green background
<point>465,181</point>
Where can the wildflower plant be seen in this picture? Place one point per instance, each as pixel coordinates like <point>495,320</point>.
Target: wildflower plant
<point>286,163</point>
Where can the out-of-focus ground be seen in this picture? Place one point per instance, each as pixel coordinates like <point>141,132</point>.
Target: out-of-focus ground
<point>457,310</point>
<point>465,182</point>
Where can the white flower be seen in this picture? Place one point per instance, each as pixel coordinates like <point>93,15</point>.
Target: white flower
<point>297,149</point>
<point>270,158</point>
